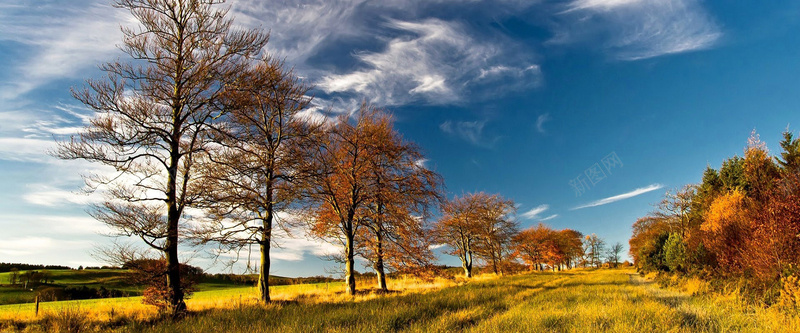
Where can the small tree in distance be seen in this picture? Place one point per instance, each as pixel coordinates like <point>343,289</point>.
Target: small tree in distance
<point>614,254</point>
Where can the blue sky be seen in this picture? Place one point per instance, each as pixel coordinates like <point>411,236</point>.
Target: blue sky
<point>511,97</point>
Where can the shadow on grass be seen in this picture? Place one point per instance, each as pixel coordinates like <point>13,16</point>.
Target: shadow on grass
<point>450,309</point>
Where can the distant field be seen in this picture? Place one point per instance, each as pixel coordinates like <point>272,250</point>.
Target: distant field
<point>132,305</point>
<point>570,301</point>
<point>96,278</point>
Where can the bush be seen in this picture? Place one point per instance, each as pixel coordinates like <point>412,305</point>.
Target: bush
<point>153,274</point>
<point>675,253</point>
<point>789,298</point>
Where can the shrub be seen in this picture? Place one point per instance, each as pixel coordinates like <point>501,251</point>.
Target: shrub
<point>675,253</point>
<point>153,274</point>
<point>789,298</point>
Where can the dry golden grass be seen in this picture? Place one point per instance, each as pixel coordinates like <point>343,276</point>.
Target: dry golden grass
<point>568,301</point>
<point>130,309</point>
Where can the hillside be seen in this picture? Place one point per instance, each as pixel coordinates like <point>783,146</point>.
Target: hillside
<point>111,283</point>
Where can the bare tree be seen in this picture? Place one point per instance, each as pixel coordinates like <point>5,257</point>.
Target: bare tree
<point>676,208</point>
<point>152,118</point>
<point>251,175</point>
<point>614,253</point>
<point>594,246</point>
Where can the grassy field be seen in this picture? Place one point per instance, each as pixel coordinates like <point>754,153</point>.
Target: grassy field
<point>93,278</point>
<point>571,301</point>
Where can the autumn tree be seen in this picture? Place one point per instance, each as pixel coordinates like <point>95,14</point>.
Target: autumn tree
<point>534,245</point>
<point>570,244</point>
<point>644,245</point>
<point>403,191</point>
<point>152,117</point>
<point>252,172</point>
<point>457,229</point>
<point>344,185</point>
<point>676,208</point>
<point>594,248</point>
<point>496,226</point>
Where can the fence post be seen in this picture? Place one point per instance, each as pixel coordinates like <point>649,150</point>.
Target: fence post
<point>37,305</point>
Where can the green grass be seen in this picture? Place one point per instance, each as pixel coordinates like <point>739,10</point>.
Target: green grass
<point>227,295</point>
<point>92,278</point>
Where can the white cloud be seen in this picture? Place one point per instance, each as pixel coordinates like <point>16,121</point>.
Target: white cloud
<point>46,195</point>
<point>623,196</point>
<point>33,246</point>
<point>25,150</point>
<point>639,29</point>
<point>549,218</point>
<point>471,131</point>
<point>297,27</point>
<point>602,4</point>
<point>65,226</point>
<point>436,246</point>
<point>534,213</point>
<point>75,38</point>
<point>432,61</point>
<point>540,122</point>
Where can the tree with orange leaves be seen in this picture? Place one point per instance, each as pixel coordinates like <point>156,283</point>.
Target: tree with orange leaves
<point>403,191</point>
<point>496,226</point>
<point>340,189</point>
<point>369,193</point>
<point>478,225</point>
<point>457,229</point>
<point>533,245</point>
<point>251,173</point>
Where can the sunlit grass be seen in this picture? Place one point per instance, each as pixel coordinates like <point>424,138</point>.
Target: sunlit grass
<point>569,301</point>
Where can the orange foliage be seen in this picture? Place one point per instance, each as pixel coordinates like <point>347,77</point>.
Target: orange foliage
<point>726,229</point>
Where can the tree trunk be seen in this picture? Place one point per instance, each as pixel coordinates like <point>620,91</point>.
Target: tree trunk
<point>467,264</point>
<point>263,275</point>
<point>174,276</point>
<point>173,265</point>
<point>350,279</point>
<point>173,217</point>
<point>379,269</point>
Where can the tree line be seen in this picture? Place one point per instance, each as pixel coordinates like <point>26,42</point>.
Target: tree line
<point>206,139</point>
<point>740,223</point>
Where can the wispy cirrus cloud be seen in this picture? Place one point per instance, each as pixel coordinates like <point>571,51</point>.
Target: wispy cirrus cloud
<point>548,218</point>
<point>397,52</point>
<point>75,38</point>
<point>623,196</point>
<point>540,123</point>
<point>470,131</point>
<point>639,29</point>
<point>432,61</point>
<point>534,213</point>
